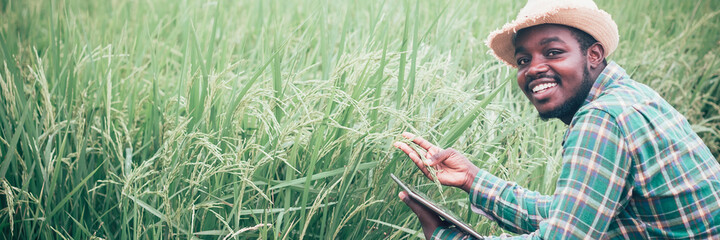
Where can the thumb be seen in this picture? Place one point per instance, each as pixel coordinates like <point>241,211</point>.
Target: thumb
<point>421,211</point>
<point>428,219</point>
<point>441,156</point>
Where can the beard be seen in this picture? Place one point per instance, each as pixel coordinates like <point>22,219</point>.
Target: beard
<point>573,104</point>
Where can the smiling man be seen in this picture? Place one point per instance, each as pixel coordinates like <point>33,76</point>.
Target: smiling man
<point>553,71</point>
<point>632,166</point>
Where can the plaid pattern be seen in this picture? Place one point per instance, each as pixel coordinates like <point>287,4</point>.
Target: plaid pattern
<point>632,169</point>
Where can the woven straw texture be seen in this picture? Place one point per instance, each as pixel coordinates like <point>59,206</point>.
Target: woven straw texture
<point>580,14</point>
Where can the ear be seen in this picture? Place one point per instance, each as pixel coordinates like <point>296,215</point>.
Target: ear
<point>595,55</point>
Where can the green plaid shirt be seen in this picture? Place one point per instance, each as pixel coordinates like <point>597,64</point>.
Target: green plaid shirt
<point>632,169</point>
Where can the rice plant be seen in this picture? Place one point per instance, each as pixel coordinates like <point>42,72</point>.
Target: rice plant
<point>201,119</point>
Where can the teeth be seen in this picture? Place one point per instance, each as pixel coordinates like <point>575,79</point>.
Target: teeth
<point>543,86</point>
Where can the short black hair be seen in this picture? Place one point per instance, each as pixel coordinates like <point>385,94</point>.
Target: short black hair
<point>584,39</point>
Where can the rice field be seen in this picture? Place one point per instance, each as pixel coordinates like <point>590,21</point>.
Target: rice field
<point>198,119</point>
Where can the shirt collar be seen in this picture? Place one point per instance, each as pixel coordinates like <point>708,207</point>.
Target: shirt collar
<point>607,77</point>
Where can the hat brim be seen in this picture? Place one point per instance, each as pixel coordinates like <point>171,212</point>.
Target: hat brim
<point>597,23</point>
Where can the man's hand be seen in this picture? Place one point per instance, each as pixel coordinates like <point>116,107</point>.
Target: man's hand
<point>453,168</point>
<point>428,219</point>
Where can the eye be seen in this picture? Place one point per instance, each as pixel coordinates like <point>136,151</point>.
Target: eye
<point>553,52</point>
<point>522,61</point>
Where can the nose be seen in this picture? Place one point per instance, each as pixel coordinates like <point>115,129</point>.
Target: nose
<point>536,69</point>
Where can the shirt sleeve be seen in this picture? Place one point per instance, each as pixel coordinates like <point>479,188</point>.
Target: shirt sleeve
<point>590,190</point>
<point>448,233</point>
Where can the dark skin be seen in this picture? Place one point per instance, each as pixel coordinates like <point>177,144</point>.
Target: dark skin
<point>550,55</point>
<point>551,71</point>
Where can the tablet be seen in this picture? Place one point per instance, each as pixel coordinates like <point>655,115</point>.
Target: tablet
<point>444,213</point>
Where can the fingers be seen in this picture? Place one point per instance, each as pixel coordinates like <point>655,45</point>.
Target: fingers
<point>441,156</point>
<point>428,219</point>
<point>403,196</point>
<point>421,211</point>
<point>431,148</point>
<point>413,156</point>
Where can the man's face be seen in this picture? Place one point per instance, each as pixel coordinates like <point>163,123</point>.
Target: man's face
<point>552,70</point>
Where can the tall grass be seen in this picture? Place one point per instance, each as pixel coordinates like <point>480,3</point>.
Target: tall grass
<point>274,119</point>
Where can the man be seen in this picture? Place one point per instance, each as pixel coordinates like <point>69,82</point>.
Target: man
<point>632,167</point>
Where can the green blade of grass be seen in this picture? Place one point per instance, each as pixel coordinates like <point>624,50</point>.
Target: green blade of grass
<point>77,187</point>
<point>464,123</point>
<point>10,155</point>
<point>403,58</point>
<point>413,54</point>
<point>157,213</point>
<point>325,174</point>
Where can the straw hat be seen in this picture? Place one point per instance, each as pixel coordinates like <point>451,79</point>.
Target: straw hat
<point>580,14</point>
